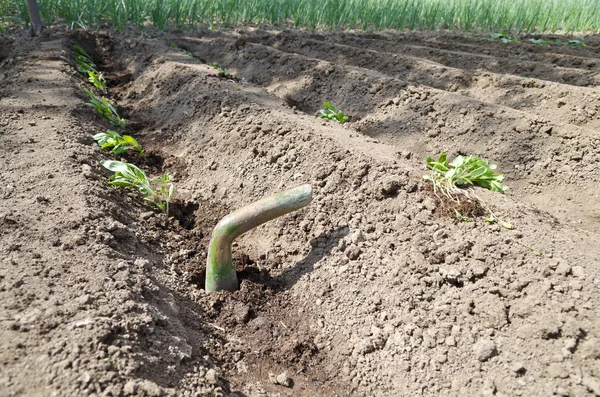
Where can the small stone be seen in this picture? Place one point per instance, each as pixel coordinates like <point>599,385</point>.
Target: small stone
<point>557,370</point>
<point>517,368</point>
<point>390,187</point>
<point>85,378</point>
<point>84,299</point>
<point>32,123</point>
<point>563,269</point>
<point>130,388</point>
<point>151,388</point>
<point>485,349</point>
<point>353,252</point>
<point>450,341</point>
<point>211,376</point>
<point>578,271</point>
<point>479,270</point>
<point>146,215</point>
<point>356,237</point>
<point>241,312</point>
<point>284,380</point>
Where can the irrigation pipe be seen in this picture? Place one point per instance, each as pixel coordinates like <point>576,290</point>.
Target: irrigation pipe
<point>220,275</point>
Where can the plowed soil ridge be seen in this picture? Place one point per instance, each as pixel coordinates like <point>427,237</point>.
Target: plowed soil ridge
<point>368,291</point>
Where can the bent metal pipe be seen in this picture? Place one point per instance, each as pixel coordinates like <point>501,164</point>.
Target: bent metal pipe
<point>220,275</point>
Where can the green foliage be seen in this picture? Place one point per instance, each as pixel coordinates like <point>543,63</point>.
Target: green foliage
<point>223,71</point>
<point>575,43</point>
<point>542,41</point>
<point>463,171</point>
<point>520,16</point>
<point>186,52</point>
<point>97,79</point>
<point>157,191</point>
<point>105,109</point>
<point>117,143</point>
<point>503,37</point>
<point>453,181</point>
<point>85,63</point>
<point>333,114</point>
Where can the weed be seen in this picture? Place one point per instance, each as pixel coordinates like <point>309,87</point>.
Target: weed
<point>223,71</point>
<point>105,109</point>
<point>453,181</point>
<point>503,37</point>
<point>117,143</point>
<point>2,133</point>
<point>97,79</point>
<point>157,191</point>
<point>333,114</point>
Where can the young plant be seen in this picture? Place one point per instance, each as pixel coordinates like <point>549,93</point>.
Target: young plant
<point>223,71</point>
<point>186,52</point>
<point>540,41</point>
<point>117,143</point>
<point>97,79</point>
<point>333,114</point>
<point>157,191</point>
<point>503,37</point>
<point>105,109</point>
<point>85,63</point>
<point>575,43</point>
<point>454,180</point>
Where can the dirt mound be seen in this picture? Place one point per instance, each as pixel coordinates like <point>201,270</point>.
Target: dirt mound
<point>369,290</point>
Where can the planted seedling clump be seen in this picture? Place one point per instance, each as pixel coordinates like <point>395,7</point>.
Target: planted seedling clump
<point>86,65</point>
<point>452,184</point>
<point>333,114</point>
<point>105,109</point>
<point>223,71</point>
<point>117,143</point>
<point>157,191</point>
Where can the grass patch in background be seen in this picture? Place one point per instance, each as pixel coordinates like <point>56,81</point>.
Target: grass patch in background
<point>518,16</point>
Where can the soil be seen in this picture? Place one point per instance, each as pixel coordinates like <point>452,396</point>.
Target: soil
<point>372,290</point>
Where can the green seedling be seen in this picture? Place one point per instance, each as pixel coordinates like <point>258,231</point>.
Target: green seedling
<point>540,41</point>
<point>186,52</point>
<point>333,114</point>
<point>503,37</point>
<point>105,109</point>
<point>157,191</point>
<point>223,71</point>
<point>462,218</point>
<point>97,79</point>
<point>576,43</point>
<point>454,181</point>
<point>85,63</point>
<point>117,143</point>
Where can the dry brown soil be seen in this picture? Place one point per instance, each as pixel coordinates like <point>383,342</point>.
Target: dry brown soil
<point>369,291</point>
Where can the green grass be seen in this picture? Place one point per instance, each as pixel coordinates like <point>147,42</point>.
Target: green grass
<point>516,16</point>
